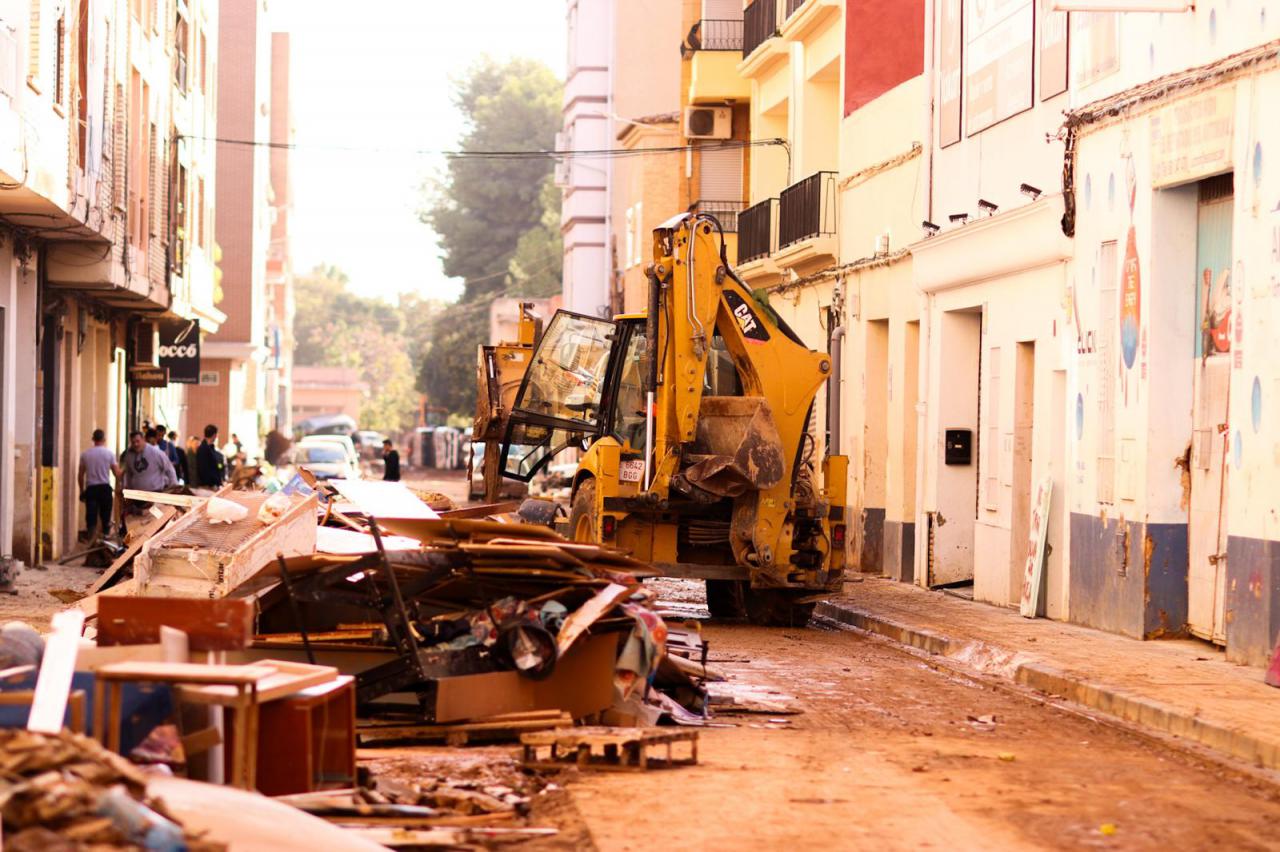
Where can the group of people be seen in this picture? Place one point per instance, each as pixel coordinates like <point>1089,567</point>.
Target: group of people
<point>153,461</point>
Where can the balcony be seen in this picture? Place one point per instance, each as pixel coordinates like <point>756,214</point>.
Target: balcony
<point>803,18</point>
<point>760,23</point>
<point>713,34</point>
<point>714,48</point>
<point>807,222</point>
<point>758,231</point>
<point>727,213</point>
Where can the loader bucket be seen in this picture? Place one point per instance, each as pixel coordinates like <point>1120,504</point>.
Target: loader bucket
<point>737,449</point>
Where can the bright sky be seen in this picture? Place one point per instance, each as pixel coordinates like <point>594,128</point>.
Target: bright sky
<point>377,73</point>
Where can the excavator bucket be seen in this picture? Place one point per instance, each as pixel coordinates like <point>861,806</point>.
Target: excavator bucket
<point>738,448</point>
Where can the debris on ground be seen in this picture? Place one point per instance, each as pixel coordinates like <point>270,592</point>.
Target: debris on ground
<point>65,791</point>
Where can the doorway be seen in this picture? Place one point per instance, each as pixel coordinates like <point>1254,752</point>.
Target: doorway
<point>956,509</point>
<point>1211,397</point>
<point>1024,379</point>
<point>875,445</point>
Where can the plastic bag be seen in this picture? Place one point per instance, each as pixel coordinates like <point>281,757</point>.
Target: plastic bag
<point>222,511</point>
<point>274,508</point>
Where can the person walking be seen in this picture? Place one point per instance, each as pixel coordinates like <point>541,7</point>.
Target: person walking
<point>165,441</point>
<point>211,465</point>
<point>146,468</point>
<point>390,462</point>
<point>178,456</point>
<point>97,466</point>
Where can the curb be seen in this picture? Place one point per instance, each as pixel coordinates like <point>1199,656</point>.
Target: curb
<point>1105,698</point>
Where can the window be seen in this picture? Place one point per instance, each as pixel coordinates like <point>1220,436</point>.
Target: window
<point>180,53</point>
<point>199,226</point>
<point>82,78</point>
<point>202,59</point>
<point>33,51</point>
<point>60,61</point>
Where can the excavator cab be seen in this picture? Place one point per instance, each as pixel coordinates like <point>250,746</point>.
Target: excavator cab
<point>694,424</point>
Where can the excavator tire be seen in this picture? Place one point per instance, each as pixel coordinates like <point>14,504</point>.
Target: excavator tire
<point>583,525</point>
<point>726,598</point>
<point>777,608</point>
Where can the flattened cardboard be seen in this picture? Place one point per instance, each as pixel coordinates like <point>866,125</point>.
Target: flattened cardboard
<point>581,684</point>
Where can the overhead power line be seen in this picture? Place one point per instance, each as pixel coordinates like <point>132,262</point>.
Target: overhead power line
<point>595,153</point>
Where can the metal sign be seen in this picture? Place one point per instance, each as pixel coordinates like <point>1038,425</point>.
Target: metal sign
<point>148,376</point>
<point>1033,568</point>
<point>180,350</point>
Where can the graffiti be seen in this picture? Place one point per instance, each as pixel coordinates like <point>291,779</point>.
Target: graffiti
<point>1086,343</point>
<point>1215,313</point>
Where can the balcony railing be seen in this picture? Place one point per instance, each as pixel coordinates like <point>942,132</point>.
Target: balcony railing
<point>726,212</point>
<point>758,230</point>
<point>807,209</point>
<point>759,24</point>
<point>713,34</point>
<point>792,5</point>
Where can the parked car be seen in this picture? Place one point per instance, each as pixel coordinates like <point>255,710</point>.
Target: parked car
<point>368,444</point>
<point>325,460</point>
<point>344,441</point>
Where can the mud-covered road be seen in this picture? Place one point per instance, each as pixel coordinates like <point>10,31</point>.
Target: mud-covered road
<point>890,753</point>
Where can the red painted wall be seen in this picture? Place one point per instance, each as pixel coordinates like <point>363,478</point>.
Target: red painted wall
<point>884,46</point>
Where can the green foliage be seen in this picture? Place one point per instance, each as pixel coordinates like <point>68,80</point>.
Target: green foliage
<point>498,219</point>
<point>337,328</point>
<point>536,266</point>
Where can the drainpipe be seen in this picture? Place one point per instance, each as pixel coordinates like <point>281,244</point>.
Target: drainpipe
<point>929,88</point>
<point>924,445</point>
<point>833,410</point>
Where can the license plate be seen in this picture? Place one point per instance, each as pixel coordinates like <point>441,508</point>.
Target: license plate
<point>631,471</point>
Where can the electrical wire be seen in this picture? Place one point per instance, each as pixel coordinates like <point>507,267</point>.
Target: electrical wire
<point>595,153</point>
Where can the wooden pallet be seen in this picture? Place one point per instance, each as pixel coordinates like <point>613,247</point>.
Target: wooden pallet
<point>496,728</point>
<point>620,749</point>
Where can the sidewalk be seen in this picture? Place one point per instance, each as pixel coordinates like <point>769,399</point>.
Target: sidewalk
<point>1179,687</point>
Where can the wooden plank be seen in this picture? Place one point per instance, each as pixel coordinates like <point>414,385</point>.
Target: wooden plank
<point>134,542</point>
<point>58,664</point>
<point>186,501</point>
<point>224,624</point>
<point>280,678</point>
<point>185,673</point>
<point>1033,571</point>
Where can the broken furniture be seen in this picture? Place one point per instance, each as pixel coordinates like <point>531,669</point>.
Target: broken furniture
<point>241,681</point>
<point>197,557</point>
<point>620,749</point>
<point>306,741</point>
<point>494,728</point>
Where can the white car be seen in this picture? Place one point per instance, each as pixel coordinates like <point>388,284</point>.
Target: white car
<point>327,459</point>
<point>344,441</point>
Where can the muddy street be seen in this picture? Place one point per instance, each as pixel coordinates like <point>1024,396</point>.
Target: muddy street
<point>888,752</point>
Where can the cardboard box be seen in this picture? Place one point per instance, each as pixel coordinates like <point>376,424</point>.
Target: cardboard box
<point>581,684</point>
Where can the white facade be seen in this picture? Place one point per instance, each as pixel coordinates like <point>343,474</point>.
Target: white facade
<point>585,180</point>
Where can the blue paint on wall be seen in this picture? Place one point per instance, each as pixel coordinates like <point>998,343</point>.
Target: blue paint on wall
<point>1079,416</point>
<point>1113,585</point>
<point>1255,404</point>
<point>1253,599</point>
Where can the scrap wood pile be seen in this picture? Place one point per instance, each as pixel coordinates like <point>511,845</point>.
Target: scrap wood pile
<point>345,567</point>
<point>65,791</point>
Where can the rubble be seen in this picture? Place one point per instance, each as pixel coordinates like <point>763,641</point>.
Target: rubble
<point>65,791</point>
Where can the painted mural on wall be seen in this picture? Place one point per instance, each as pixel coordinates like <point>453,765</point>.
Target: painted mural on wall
<point>1130,282</point>
<point>1213,265</point>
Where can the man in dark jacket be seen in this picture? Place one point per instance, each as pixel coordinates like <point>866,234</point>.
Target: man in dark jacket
<point>211,465</point>
<point>390,462</point>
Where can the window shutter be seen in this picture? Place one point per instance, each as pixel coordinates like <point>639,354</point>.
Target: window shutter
<point>720,178</point>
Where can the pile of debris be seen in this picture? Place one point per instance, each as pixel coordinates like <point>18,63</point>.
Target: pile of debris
<point>65,791</point>
<point>460,616</point>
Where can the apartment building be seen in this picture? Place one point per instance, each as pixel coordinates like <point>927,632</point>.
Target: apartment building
<point>585,210</point>
<point>235,392</point>
<point>97,214</point>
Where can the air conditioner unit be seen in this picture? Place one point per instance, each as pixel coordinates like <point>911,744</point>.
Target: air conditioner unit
<point>708,122</point>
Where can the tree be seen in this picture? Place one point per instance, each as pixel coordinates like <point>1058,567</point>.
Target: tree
<point>497,218</point>
<point>538,262</point>
<point>337,328</point>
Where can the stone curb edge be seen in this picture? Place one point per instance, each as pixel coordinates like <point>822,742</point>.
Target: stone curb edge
<point>1114,701</point>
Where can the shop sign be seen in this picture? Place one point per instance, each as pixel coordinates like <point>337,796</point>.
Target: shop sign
<point>148,376</point>
<point>1192,138</point>
<point>999,37</point>
<point>180,350</point>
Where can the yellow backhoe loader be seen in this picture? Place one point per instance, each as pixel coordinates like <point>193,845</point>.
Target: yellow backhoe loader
<point>694,419</point>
